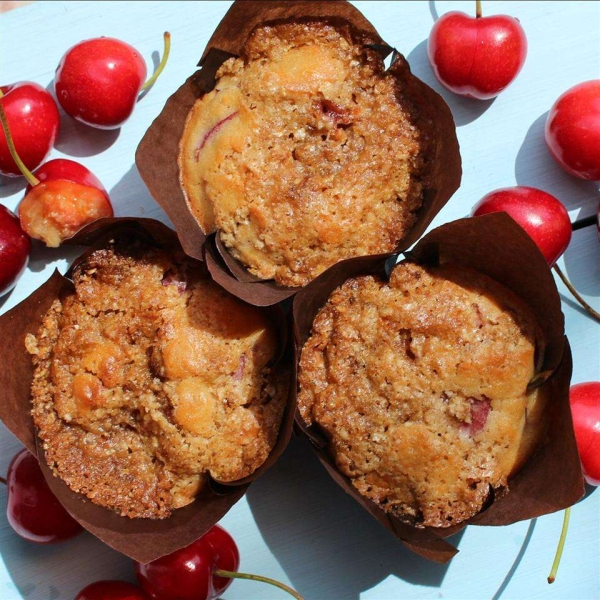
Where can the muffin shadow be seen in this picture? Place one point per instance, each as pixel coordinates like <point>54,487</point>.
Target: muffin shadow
<point>464,110</point>
<point>297,500</point>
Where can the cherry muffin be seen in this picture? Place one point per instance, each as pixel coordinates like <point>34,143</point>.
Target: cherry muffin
<point>149,378</point>
<point>420,385</point>
<point>306,152</point>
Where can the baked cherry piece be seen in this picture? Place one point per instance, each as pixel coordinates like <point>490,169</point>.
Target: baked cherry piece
<point>585,410</point>
<point>33,119</point>
<point>573,130</point>
<point>201,571</point>
<point>543,217</point>
<point>33,510</point>
<point>14,250</point>
<point>112,590</point>
<point>62,197</point>
<point>476,57</point>
<point>98,81</point>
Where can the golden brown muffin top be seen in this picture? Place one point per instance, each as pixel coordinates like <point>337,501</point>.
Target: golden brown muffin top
<point>420,385</point>
<point>149,378</point>
<point>304,154</point>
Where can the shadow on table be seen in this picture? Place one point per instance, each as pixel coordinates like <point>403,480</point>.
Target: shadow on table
<point>465,110</point>
<point>11,185</point>
<point>320,534</point>
<point>536,168</point>
<point>60,572</point>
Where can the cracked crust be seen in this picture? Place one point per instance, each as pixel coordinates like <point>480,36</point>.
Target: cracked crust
<point>149,378</point>
<point>305,153</point>
<point>420,386</point>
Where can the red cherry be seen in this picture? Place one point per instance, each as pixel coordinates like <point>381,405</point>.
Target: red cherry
<point>14,250</point>
<point>98,81</point>
<point>187,574</point>
<point>112,590</point>
<point>541,215</point>
<point>33,510</point>
<point>476,57</point>
<point>573,130</point>
<point>33,119</point>
<point>585,409</point>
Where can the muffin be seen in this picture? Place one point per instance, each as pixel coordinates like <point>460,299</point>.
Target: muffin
<point>420,386</point>
<point>149,379</point>
<point>306,152</point>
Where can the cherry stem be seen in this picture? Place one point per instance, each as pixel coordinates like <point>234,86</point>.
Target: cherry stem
<point>236,575</point>
<point>1,94</point>
<point>575,293</point>
<point>478,12</point>
<point>162,64</point>
<point>2,480</point>
<point>561,545</point>
<point>31,178</point>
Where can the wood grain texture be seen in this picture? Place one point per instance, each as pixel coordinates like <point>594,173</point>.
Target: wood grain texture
<point>293,523</point>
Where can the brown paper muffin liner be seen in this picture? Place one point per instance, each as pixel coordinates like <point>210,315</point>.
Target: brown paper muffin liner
<point>143,540</point>
<point>494,245</point>
<point>157,153</point>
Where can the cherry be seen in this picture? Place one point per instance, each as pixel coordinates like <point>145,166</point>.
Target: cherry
<point>62,197</point>
<point>201,571</point>
<point>112,590</point>
<point>476,57</point>
<point>98,81</point>
<point>33,510</point>
<point>543,217</point>
<point>33,119</point>
<point>573,130</point>
<point>585,409</point>
<point>14,250</point>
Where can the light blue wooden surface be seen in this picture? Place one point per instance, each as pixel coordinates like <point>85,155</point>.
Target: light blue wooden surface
<point>295,524</point>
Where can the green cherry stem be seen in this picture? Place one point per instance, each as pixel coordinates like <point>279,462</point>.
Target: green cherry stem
<point>1,93</point>
<point>478,12</point>
<point>236,575</point>
<point>32,180</point>
<point>561,545</point>
<point>163,62</point>
<point>575,293</point>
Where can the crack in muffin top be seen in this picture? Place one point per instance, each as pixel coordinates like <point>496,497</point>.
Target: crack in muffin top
<point>305,153</point>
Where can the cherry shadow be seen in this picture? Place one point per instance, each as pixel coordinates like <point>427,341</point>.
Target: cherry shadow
<point>41,256</point>
<point>11,185</point>
<point>536,168</point>
<point>297,500</point>
<point>582,263</point>
<point>78,140</point>
<point>464,110</point>
<point>59,572</point>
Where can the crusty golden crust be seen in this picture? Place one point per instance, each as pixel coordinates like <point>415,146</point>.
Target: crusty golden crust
<point>148,378</point>
<point>305,153</point>
<point>420,386</point>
